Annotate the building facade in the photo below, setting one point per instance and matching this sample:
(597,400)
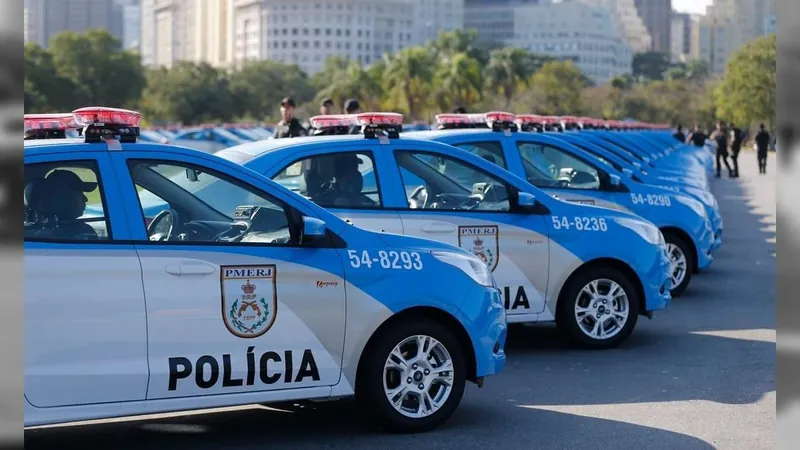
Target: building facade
(729,24)
(657,17)
(432,17)
(494,19)
(184,30)
(44,19)
(629,23)
(681,35)
(572,30)
(306,32)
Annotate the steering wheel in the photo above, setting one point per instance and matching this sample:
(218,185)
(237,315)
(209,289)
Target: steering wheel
(174,224)
(414,197)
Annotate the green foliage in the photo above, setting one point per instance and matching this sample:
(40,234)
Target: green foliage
(747,93)
(100,71)
(452,70)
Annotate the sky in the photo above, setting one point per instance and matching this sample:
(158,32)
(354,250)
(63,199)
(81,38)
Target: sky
(691,6)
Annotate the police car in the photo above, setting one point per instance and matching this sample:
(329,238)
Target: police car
(207,138)
(616,156)
(258,297)
(592,270)
(637,174)
(563,170)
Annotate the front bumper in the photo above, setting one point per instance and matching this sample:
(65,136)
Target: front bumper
(488,330)
(657,283)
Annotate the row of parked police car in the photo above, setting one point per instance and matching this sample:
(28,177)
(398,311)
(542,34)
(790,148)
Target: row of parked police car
(382,263)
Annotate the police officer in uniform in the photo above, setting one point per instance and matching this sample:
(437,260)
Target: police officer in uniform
(678,134)
(697,137)
(289,126)
(737,137)
(720,137)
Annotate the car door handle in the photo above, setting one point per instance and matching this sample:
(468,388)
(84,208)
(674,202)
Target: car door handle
(439,227)
(194,268)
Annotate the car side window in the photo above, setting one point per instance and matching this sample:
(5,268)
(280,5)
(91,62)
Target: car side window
(186,203)
(564,169)
(334,180)
(490,151)
(434,181)
(64,202)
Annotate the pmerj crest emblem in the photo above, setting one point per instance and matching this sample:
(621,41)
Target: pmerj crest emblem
(249,299)
(482,241)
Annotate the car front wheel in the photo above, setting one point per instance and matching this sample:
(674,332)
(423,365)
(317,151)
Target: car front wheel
(598,309)
(681,260)
(413,377)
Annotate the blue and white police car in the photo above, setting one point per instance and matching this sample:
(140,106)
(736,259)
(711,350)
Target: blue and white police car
(259,296)
(563,170)
(590,269)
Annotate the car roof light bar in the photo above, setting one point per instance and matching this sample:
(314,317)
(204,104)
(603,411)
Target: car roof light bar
(103,123)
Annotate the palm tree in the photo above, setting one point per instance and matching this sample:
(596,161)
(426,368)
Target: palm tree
(409,74)
(509,68)
(459,81)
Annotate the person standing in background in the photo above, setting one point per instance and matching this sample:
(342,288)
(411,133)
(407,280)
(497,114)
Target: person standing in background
(678,134)
(763,140)
(720,138)
(351,106)
(326,107)
(697,137)
(289,126)
(736,139)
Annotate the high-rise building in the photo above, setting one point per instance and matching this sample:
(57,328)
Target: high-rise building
(432,17)
(306,32)
(185,30)
(657,17)
(573,30)
(48,18)
(729,24)
(681,35)
(131,22)
(494,19)
(629,22)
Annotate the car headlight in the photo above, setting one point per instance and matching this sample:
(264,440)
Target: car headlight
(695,205)
(646,230)
(470,265)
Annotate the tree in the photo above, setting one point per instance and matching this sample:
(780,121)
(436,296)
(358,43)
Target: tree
(342,79)
(259,86)
(650,65)
(102,73)
(509,70)
(560,84)
(458,82)
(190,93)
(45,89)
(747,93)
(408,78)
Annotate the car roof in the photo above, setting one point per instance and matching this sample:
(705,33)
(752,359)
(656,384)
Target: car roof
(433,134)
(73,145)
(260,147)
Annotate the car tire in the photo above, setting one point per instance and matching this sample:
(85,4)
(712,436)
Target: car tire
(575,301)
(374,381)
(676,245)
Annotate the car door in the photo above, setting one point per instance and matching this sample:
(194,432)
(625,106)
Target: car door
(444,208)
(85,322)
(346,183)
(235,303)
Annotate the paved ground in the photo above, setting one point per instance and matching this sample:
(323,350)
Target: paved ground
(700,375)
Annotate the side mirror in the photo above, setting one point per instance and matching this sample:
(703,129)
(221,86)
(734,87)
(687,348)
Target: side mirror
(614,179)
(526,202)
(314,230)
